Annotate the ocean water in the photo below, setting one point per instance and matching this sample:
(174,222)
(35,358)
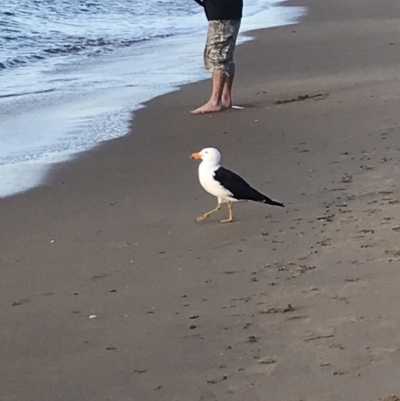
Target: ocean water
(72,71)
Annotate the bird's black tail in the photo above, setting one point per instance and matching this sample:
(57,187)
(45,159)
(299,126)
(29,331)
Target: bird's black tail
(269,201)
(255,196)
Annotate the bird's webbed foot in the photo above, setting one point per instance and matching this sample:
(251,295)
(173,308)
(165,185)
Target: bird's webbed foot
(206,215)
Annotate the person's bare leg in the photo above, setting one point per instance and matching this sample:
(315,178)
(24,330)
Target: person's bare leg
(226,100)
(214,105)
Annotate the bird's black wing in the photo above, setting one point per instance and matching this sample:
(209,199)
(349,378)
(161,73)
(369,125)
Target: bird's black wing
(199,2)
(240,189)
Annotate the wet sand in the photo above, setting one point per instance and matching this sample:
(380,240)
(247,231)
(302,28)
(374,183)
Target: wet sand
(111,291)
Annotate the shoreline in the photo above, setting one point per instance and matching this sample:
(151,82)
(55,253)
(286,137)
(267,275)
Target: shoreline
(112,291)
(74,119)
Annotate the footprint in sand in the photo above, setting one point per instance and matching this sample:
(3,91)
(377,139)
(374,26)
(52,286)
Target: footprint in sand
(21,302)
(265,366)
(380,355)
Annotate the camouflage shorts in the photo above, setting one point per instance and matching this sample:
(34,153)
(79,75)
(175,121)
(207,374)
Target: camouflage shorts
(220,46)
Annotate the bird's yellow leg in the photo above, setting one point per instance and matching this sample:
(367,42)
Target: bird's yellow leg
(205,215)
(230,219)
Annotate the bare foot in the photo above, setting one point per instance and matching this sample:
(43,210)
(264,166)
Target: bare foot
(226,104)
(208,108)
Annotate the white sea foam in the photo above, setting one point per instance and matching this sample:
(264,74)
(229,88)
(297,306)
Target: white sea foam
(93,98)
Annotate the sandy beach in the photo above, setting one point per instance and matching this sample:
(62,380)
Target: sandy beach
(111,290)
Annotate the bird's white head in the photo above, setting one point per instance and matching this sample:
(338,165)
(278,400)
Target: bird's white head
(208,155)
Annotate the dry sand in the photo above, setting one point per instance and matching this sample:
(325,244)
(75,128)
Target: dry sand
(186,311)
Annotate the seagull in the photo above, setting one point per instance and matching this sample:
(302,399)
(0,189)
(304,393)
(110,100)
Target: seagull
(226,185)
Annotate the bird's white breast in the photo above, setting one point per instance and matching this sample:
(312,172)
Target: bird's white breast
(210,184)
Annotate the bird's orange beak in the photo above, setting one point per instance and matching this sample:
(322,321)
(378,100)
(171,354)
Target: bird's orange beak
(195,156)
